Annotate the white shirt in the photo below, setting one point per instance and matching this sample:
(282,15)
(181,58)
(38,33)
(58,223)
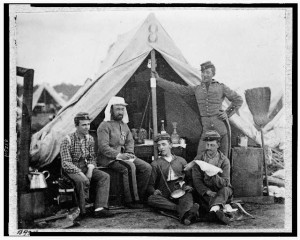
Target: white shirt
(171,174)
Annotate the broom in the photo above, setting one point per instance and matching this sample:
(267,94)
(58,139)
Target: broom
(258,100)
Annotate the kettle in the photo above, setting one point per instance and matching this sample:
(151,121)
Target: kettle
(38,179)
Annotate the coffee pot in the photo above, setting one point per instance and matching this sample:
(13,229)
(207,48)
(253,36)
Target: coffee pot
(38,179)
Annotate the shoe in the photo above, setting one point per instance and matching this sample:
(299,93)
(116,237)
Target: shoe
(134,205)
(187,221)
(80,217)
(195,210)
(103,214)
(212,216)
(218,216)
(222,218)
(192,215)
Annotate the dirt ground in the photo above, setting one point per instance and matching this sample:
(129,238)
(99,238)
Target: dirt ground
(267,216)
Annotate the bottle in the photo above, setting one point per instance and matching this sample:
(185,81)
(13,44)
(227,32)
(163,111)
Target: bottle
(175,137)
(162,128)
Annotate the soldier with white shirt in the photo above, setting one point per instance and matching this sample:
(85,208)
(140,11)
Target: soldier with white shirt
(167,176)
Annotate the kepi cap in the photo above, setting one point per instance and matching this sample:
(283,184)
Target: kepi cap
(82,116)
(211,135)
(164,136)
(206,65)
(117,101)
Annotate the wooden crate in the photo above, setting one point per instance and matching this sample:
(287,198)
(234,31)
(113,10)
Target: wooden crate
(247,174)
(32,205)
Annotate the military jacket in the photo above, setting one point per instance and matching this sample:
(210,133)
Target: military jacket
(209,101)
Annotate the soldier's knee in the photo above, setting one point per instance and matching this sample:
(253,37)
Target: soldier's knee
(148,168)
(124,171)
(225,190)
(106,176)
(82,183)
(151,199)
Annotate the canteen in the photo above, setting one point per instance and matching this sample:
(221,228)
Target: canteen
(38,179)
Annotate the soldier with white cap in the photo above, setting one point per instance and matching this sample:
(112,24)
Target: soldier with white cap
(116,151)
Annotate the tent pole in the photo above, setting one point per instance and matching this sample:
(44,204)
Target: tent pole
(25,136)
(23,155)
(154,106)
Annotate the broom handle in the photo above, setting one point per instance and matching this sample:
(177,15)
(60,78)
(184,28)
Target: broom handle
(264,158)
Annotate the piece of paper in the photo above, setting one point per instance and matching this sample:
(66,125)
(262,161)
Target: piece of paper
(129,160)
(208,168)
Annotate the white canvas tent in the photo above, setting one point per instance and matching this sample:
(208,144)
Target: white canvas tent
(46,87)
(123,59)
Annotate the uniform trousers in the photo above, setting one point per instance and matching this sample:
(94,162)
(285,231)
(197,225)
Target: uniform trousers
(223,194)
(177,206)
(135,176)
(99,186)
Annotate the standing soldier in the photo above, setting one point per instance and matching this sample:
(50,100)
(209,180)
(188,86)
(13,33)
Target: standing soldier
(209,95)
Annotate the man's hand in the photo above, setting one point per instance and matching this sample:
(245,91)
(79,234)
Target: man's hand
(157,192)
(90,171)
(189,166)
(223,115)
(123,156)
(188,188)
(130,155)
(211,193)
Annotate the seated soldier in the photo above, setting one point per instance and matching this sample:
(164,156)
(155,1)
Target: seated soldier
(167,175)
(78,162)
(116,151)
(213,190)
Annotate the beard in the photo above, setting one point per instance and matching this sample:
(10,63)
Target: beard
(211,153)
(118,117)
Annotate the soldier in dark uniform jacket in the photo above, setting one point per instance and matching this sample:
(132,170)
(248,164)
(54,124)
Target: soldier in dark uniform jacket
(167,174)
(213,189)
(209,95)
